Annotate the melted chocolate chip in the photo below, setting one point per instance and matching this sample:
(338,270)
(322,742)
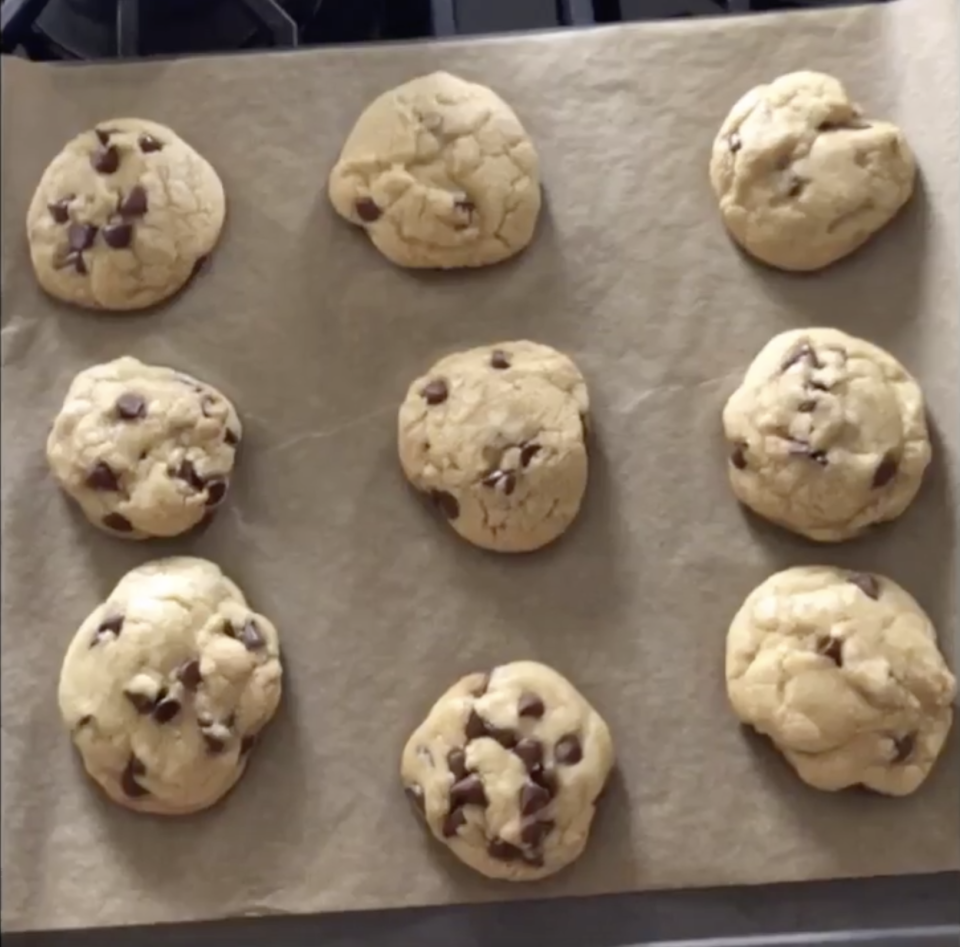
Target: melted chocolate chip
(59,210)
(81,236)
(105,160)
(886,471)
(546,778)
(738,457)
(530,705)
(189,675)
(216,491)
(457,761)
(131,407)
(831,648)
(734,143)
(867,584)
(533,833)
(134,204)
(468,791)
(367,210)
(77,261)
(214,743)
(568,750)
(454,821)
(166,710)
(247,744)
(530,752)
(435,391)
(102,477)
(527,453)
(141,702)
(118,523)
(499,359)
(446,503)
(188,473)
(903,747)
(103,135)
(149,144)
(249,635)
(118,236)
(533,798)
(415,794)
(231,437)
(503,851)
(128,778)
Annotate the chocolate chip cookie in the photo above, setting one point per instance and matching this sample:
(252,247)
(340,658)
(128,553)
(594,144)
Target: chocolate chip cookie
(827,435)
(802,177)
(440,173)
(167,685)
(496,436)
(507,768)
(842,671)
(123,216)
(144,450)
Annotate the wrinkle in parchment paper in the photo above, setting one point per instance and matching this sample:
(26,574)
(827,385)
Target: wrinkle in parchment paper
(315,338)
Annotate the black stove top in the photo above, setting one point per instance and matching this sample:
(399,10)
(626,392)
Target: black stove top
(127,29)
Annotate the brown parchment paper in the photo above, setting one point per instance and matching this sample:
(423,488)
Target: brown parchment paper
(380,605)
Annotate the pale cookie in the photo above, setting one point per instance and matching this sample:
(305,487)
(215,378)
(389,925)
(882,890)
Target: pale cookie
(496,436)
(441,174)
(144,450)
(842,671)
(827,435)
(507,768)
(167,684)
(123,216)
(802,177)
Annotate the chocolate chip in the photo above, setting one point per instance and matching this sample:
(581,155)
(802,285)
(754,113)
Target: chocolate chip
(367,210)
(738,457)
(800,353)
(568,750)
(503,851)
(886,471)
(118,523)
(166,710)
(148,144)
(457,761)
(213,742)
(102,477)
(59,210)
(546,778)
(81,236)
(130,406)
(248,743)
(446,503)
(415,794)
(831,648)
(530,705)
(118,236)
(527,453)
(903,747)
(435,391)
(216,491)
(530,752)
(231,437)
(533,798)
(105,160)
(103,134)
(499,359)
(468,791)
(141,702)
(134,204)
(189,675)
(77,261)
(734,143)
(534,832)
(454,821)
(188,473)
(476,726)
(128,778)
(805,407)
(867,584)
(250,636)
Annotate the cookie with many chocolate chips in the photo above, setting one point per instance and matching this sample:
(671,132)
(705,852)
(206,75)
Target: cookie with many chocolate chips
(802,177)
(507,768)
(124,216)
(144,450)
(496,436)
(826,435)
(841,670)
(440,173)
(166,685)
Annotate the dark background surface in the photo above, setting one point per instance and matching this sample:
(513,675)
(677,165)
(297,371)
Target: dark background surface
(921,910)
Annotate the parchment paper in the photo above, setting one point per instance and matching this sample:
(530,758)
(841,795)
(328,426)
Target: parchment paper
(380,605)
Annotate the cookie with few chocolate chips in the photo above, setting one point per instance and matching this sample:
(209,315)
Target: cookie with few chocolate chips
(145,451)
(496,437)
(167,684)
(841,670)
(826,435)
(507,768)
(124,216)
